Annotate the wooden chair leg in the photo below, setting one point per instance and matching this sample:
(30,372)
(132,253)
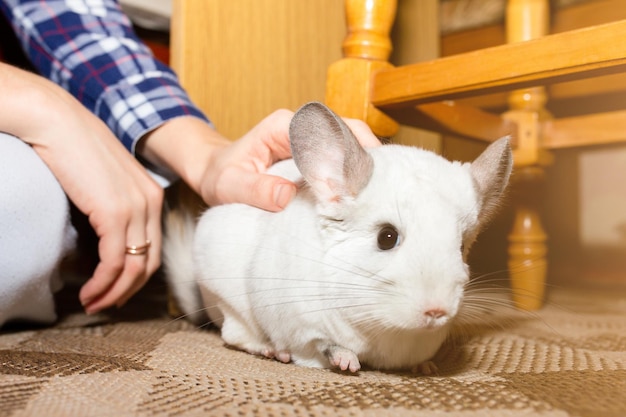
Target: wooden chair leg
(527,241)
(366,48)
(526,20)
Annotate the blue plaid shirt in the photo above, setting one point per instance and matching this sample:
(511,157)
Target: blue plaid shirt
(89,48)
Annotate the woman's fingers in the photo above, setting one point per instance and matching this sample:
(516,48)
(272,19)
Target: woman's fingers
(150,252)
(129,248)
(111,251)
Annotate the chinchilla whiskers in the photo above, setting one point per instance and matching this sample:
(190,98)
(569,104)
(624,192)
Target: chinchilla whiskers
(477,313)
(487,296)
(375,319)
(191,314)
(297,290)
(303,291)
(361,305)
(342,306)
(521,267)
(308,301)
(503,278)
(478,309)
(487,307)
(354,267)
(341,266)
(375,322)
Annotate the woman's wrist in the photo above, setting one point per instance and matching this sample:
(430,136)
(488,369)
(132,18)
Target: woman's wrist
(185,145)
(27,93)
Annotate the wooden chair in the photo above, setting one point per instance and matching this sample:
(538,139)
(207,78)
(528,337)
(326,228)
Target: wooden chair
(363,84)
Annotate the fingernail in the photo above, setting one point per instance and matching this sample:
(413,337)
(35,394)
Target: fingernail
(283,194)
(90,310)
(86,301)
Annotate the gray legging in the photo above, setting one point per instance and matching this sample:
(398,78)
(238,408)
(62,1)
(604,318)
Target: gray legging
(35,233)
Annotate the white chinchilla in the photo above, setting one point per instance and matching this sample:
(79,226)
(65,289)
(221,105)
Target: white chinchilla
(365,266)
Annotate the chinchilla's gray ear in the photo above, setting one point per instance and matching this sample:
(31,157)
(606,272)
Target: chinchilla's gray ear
(328,154)
(491,172)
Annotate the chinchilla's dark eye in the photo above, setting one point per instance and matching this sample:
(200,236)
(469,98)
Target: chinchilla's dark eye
(388,238)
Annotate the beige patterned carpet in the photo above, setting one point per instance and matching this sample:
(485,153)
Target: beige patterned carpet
(568,359)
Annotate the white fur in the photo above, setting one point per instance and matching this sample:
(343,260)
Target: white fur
(310,283)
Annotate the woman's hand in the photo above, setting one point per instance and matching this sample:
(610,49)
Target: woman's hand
(236,171)
(221,171)
(100,177)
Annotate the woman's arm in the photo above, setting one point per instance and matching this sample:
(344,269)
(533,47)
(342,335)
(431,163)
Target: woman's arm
(91,50)
(98,175)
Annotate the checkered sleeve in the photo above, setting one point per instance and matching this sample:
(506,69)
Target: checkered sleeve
(90,49)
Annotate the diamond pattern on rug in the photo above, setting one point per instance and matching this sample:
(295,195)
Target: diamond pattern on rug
(48,364)
(15,395)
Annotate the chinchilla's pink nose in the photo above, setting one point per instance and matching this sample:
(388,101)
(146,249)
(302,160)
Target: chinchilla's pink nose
(435,313)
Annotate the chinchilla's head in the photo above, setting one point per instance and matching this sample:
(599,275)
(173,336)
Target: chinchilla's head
(397,222)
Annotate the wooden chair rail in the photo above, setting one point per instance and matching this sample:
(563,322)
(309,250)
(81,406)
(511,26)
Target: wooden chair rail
(585,130)
(451,117)
(550,59)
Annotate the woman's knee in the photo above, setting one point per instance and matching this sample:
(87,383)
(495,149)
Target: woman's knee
(35,230)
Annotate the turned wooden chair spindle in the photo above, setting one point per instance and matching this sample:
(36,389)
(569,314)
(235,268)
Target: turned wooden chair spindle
(527,20)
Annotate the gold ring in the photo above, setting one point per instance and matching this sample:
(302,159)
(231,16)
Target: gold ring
(139,249)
